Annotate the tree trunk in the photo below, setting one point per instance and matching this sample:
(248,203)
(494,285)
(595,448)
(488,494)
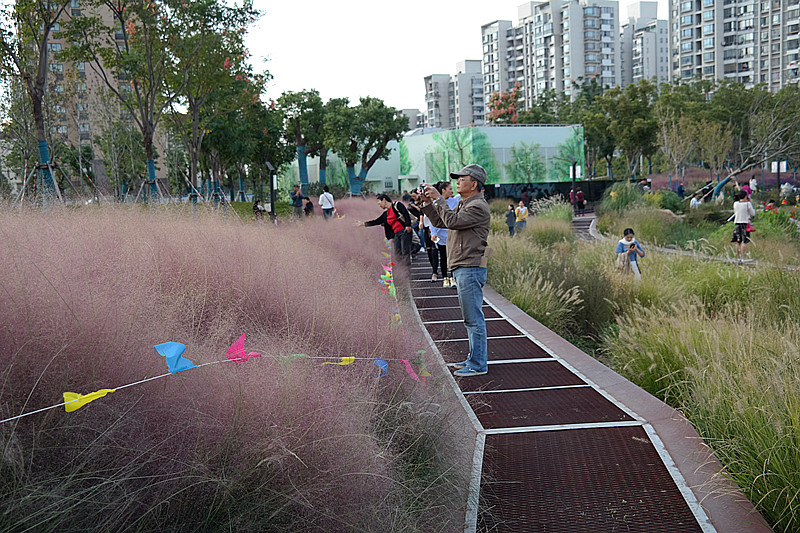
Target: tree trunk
(302,167)
(355,182)
(323,165)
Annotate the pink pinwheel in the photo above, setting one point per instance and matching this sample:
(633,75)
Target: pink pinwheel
(236,351)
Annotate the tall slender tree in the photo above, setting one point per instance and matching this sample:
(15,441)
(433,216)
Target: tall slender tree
(25,28)
(136,56)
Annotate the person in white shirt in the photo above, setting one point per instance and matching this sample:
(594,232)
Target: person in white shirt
(753,184)
(326,203)
(743,212)
(695,202)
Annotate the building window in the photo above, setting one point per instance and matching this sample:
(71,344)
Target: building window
(686,6)
(708,29)
(83,127)
(708,42)
(686,19)
(54,47)
(708,15)
(687,33)
(56,67)
(686,47)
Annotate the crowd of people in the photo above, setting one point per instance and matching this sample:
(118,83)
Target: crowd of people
(452,227)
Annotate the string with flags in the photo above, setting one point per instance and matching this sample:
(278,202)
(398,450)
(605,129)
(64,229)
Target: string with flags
(173,353)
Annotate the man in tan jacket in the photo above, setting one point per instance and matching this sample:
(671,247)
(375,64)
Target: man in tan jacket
(466,256)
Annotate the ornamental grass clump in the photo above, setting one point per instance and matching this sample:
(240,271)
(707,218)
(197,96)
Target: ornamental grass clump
(276,443)
(735,376)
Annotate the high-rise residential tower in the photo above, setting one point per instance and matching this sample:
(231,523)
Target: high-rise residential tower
(644,42)
(746,41)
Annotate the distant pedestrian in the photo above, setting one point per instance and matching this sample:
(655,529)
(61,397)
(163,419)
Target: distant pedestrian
(753,184)
(297,201)
(521,217)
(511,219)
(747,190)
(326,203)
(258,211)
(396,223)
(308,207)
(743,213)
(695,202)
(681,191)
(580,201)
(525,196)
(628,250)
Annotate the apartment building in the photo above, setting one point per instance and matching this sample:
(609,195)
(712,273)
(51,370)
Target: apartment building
(82,106)
(437,102)
(644,43)
(497,57)
(746,41)
(467,95)
(455,101)
(554,43)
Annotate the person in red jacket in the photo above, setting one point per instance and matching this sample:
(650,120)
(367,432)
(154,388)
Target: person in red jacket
(396,222)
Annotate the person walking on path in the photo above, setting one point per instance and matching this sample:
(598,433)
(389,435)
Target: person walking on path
(743,213)
(628,250)
(581,201)
(396,224)
(326,203)
(511,219)
(297,201)
(522,216)
(468,255)
(439,234)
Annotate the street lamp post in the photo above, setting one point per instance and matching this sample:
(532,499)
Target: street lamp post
(271,177)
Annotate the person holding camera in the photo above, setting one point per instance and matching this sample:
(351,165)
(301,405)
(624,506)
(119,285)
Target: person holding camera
(628,250)
(467,256)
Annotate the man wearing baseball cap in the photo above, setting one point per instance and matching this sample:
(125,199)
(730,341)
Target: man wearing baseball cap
(467,256)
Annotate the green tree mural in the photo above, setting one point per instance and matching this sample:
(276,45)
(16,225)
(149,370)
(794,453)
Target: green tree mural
(527,163)
(569,151)
(483,155)
(406,165)
(454,149)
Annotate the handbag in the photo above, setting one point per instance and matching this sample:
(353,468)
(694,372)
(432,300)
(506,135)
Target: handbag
(750,228)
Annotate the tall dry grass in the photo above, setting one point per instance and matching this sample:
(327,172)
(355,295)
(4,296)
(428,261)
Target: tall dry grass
(271,444)
(718,341)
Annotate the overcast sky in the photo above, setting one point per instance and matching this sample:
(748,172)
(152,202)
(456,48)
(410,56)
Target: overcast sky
(374,48)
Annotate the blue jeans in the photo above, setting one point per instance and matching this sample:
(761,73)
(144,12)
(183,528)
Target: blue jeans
(470,281)
(521,225)
(421,235)
(511,231)
(327,212)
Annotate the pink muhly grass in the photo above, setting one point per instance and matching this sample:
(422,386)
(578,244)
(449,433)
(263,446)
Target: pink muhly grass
(85,295)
